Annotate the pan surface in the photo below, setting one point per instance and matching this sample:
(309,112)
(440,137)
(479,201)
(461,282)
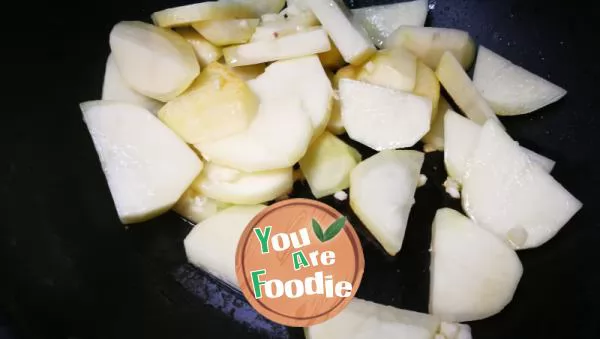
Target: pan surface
(70,270)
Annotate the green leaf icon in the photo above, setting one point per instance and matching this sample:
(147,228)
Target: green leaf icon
(318,231)
(334,228)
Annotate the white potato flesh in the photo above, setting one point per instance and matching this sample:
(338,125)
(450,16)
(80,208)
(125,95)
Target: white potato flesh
(226,32)
(209,10)
(196,207)
(382,190)
(249,72)
(327,165)
(116,89)
(381,21)
(282,128)
(260,7)
(511,89)
(303,80)
(545,163)
(351,40)
(336,124)
(507,193)
(281,25)
(287,47)
(460,87)
(217,105)
(154,61)
(363,319)
(212,244)
(394,68)
(430,43)
(434,139)
(461,137)
(474,275)
(205,51)
(147,166)
(383,118)
(427,85)
(232,186)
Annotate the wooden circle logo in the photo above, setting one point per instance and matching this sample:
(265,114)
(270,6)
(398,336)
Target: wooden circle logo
(299,262)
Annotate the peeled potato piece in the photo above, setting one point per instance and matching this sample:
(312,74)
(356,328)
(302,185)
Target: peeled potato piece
(116,89)
(209,10)
(382,20)
(383,118)
(226,32)
(394,68)
(211,245)
(293,100)
(473,274)
(460,87)
(217,105)
(351,40)
(507,193)
(147,166)
(511,89)
(336,124)
(366,319)
(430,43)
(434,139)
(205,51)
(249,72)
(303,80)
(327,165)
(154,61)
(427,85)
(236,187)
(290,46)
(280,25)
(461,138)
(382,192)
(196,207)
(260,7)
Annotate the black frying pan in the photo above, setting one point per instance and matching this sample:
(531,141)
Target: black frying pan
(69,269)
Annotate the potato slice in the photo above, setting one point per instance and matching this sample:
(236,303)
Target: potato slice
(260,7)
(510,195)
(290,46)
(511,89)
(327,165)
(116,89)
(460,87)
(351,40)
(282,129)
(383,118)
(382,20)
(154,61)
(209,10)
(232,186)
(434,139)
(205,51)
(276,26)
(196,207)
(473,274)
(394,68)
(218,104)
(430,43)
(303,80)
(249,72)
(226,32)
(336,124)
(211,245)
(365,319)
(460,140)
(147,166)
(427,85)
(382,192)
